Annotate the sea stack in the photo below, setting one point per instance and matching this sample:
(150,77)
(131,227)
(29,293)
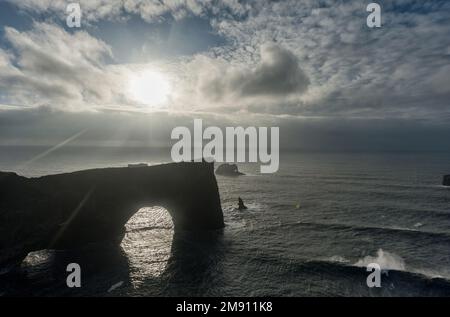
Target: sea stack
(241,205)
(446,180)
(228,170)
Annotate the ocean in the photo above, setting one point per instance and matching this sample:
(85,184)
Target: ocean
(310,229)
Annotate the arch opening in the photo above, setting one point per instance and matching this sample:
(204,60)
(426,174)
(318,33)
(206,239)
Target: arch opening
(148,242)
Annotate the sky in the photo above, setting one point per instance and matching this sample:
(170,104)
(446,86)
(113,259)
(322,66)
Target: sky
(135,69)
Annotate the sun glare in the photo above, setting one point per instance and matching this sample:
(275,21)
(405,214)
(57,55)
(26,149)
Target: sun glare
(150,88)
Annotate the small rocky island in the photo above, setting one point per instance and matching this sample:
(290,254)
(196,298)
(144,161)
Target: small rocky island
(228,170)
(241,205)
(69,211)
(446,180)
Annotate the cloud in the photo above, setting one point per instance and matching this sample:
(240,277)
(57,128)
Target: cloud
(276,76)
(278,73)
(323,60)
(393,71)
(47,126)
(149,10)
(325,79)
(47,65)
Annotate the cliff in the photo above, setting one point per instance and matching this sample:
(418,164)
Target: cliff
(71,210)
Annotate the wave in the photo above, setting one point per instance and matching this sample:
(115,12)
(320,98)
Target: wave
(384,185)
(401,279)
(404,208)
(252,206)
(146,228)
(437,236)
(390,262)
(386,261)
(336,177)
(369,181)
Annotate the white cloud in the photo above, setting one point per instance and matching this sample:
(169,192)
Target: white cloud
(353,70)
(54,67)
(149,10)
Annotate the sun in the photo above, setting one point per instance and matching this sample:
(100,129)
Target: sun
(150,88)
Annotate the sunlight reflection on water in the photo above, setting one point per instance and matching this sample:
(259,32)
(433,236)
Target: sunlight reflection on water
(147,243)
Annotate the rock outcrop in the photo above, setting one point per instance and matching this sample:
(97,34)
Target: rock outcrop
(446,180)
(72,210)
(241,205)
(228,170)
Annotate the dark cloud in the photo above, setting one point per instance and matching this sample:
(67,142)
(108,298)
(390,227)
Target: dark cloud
(278,73)
(48,126)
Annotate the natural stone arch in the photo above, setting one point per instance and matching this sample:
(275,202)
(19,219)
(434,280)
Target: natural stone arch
(71,210)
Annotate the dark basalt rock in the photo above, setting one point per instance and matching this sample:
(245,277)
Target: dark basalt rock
(446,180)
(228,170)
(69,211)
(241,205)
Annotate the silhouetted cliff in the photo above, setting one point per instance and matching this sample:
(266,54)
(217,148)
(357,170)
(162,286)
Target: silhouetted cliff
(70,210)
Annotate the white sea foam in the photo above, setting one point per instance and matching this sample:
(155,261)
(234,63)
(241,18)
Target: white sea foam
(338,259)
(390,261)
(386,260)
(115,286)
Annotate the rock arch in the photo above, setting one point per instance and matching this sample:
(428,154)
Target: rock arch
(71,210)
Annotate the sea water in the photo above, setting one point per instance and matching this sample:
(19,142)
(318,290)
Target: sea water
(309,230)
